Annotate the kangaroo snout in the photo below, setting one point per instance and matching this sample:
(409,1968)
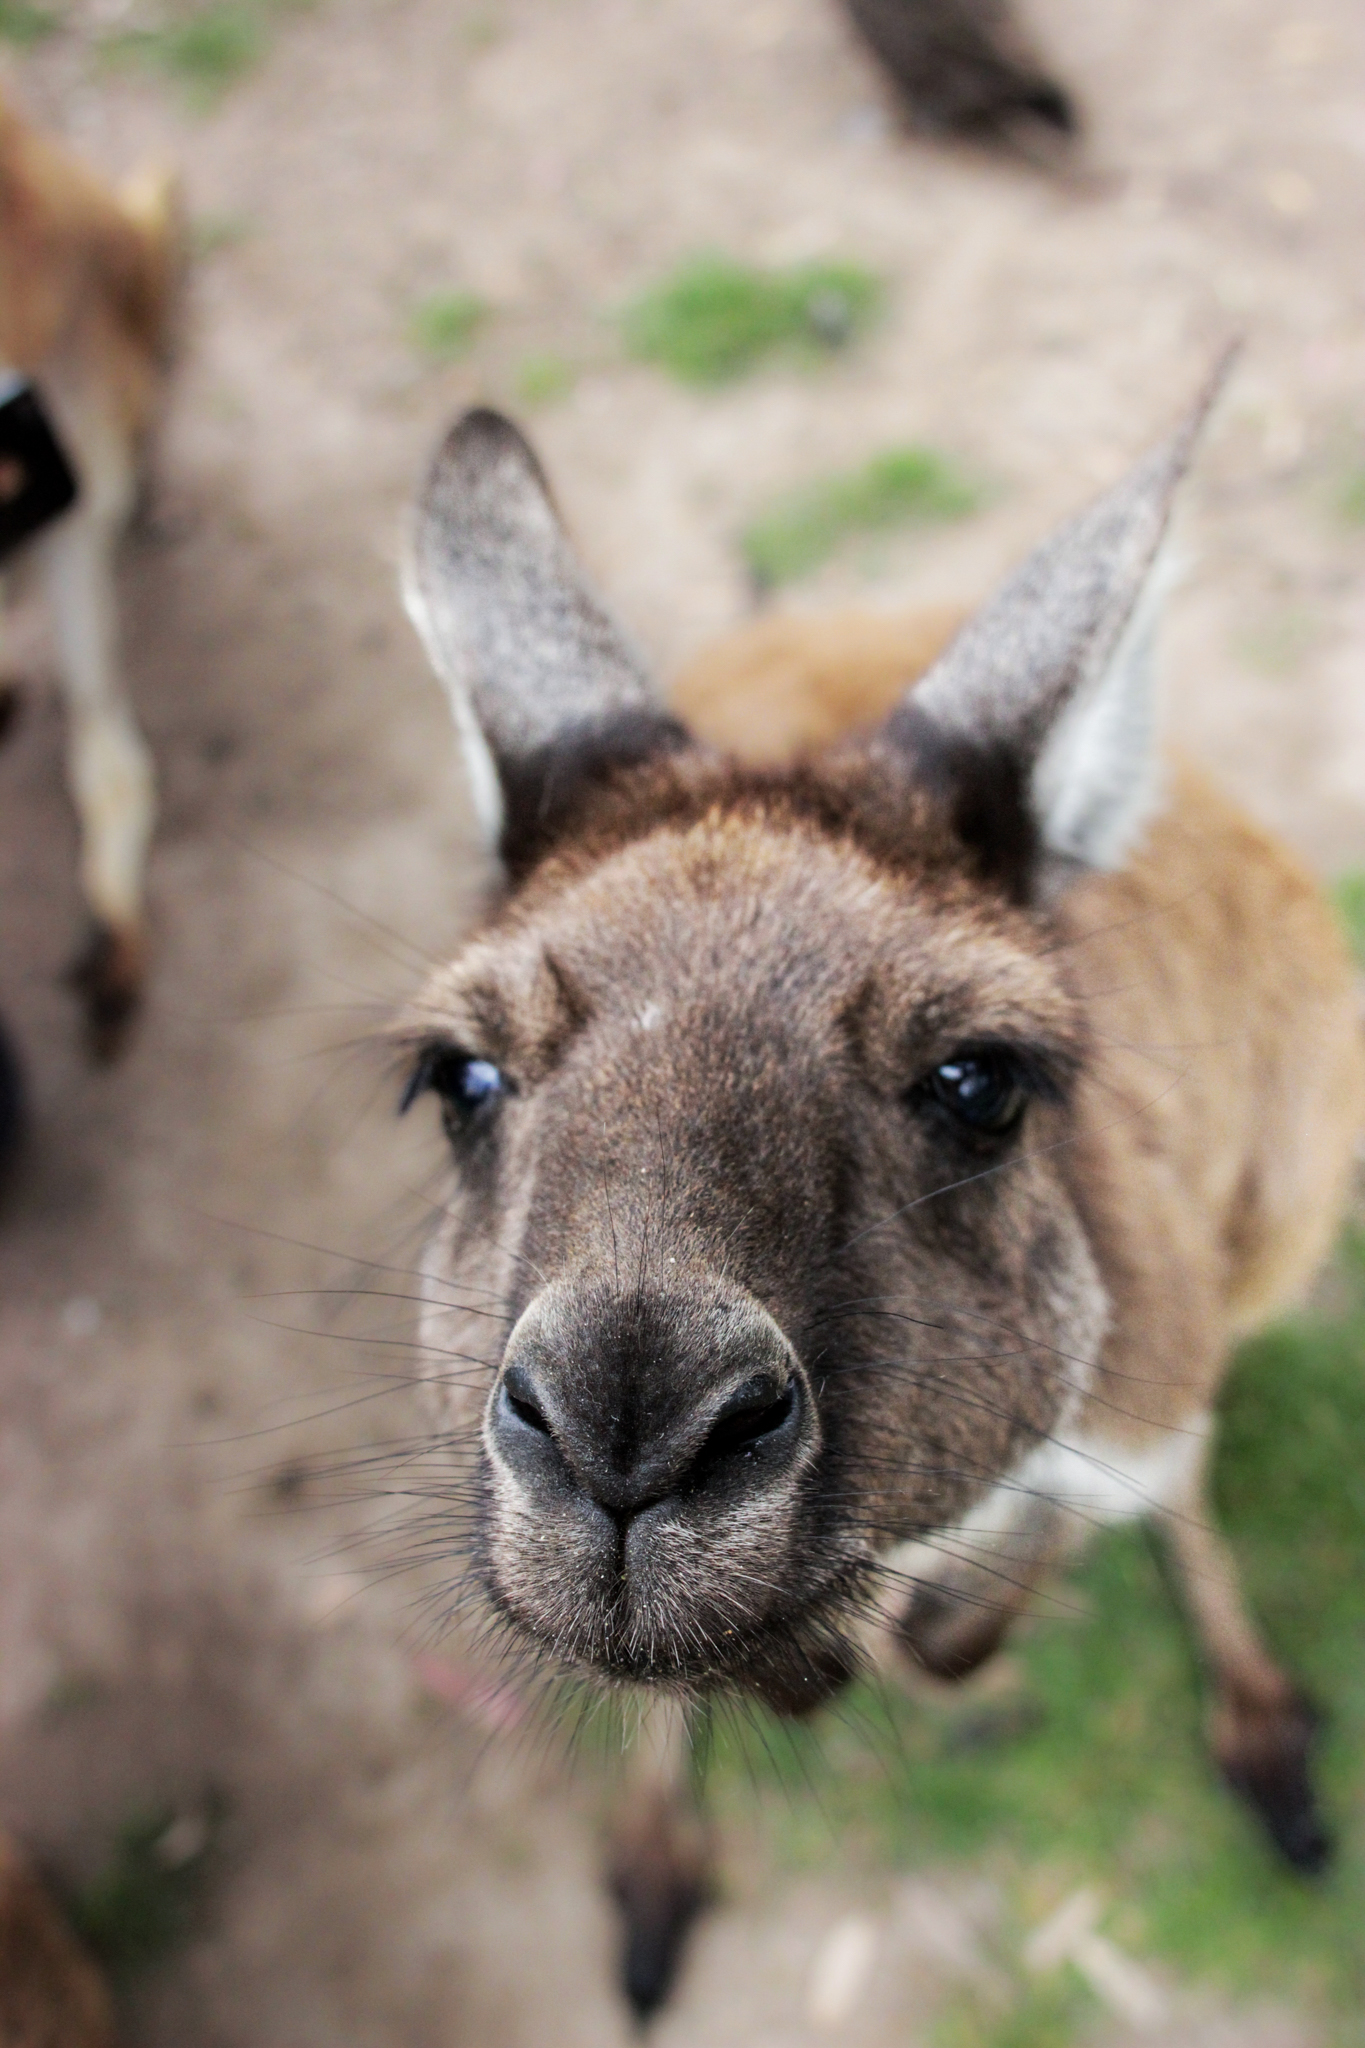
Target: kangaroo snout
(630,1401)
(643,1426)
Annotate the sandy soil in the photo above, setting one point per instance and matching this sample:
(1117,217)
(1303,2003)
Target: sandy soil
(177,1604)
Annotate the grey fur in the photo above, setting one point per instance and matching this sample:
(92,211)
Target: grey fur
(1057,668)
(511,624)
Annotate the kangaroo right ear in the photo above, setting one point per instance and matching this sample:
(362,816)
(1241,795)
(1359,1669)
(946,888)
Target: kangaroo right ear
(1038,723)
(547,693)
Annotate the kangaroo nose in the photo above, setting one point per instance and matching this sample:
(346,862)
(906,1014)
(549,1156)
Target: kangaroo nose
(671,1404)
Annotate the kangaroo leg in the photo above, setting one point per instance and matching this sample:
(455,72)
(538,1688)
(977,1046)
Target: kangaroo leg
(949,1607)
(1261,1726)
(660,1855)
(110,771)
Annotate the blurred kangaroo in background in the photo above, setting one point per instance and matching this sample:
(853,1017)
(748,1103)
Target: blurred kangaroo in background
(88,297)
(865,1162)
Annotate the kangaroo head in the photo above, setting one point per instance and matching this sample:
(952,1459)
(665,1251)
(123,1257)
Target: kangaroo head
(763,1254)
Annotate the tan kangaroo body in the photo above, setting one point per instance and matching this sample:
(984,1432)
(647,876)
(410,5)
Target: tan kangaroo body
(884,1094)
(88,290)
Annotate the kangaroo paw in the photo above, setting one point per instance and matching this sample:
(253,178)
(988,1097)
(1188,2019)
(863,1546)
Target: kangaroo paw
(661,1880)
(107,975)
(1266,1754)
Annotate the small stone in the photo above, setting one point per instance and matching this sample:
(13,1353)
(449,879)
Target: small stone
(843,1963)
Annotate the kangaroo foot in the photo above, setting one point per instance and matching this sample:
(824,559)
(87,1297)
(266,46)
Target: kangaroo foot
(660,1876)
(1265,1751)
(107,975)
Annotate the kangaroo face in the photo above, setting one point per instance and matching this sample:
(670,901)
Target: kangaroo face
(755,1147)
(761,1256)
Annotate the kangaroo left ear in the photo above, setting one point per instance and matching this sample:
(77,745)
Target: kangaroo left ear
(545,690)
(1038,724)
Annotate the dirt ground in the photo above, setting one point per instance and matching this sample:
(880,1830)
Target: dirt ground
(178,1607)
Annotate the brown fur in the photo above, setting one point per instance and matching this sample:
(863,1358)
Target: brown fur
(51,1994)
(786,685)
(86,274)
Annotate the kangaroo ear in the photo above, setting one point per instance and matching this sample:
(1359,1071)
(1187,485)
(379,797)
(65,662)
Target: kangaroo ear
(546,692)
(1039,722)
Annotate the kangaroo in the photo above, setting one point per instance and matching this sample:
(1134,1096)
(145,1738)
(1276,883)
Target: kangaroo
(88,299)
(864,1160)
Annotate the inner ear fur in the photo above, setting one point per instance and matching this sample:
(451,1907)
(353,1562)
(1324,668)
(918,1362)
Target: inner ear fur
(547,693)
(1037,727)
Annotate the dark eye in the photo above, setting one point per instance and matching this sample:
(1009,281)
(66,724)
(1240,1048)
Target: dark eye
(465,1084)
(982,1087)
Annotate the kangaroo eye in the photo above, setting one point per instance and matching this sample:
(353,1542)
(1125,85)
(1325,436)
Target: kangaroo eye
(465,1084)
(980,1087)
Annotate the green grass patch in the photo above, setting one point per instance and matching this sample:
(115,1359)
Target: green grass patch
(1351,498)
(73,1693)
(204,53)
(1111,1782)
(543,379)
(24,25)
(1348,894)
(716,319)
(211,234)
(1280,642)
(903,487)
(481,31)
(145,1902)
(444,326)
(1042,2015)
(203,49)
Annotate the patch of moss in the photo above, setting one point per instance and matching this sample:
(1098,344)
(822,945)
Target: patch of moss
(444,326)
(1041,2015)
(716,319)
(543,379)
(904,486)
(145,1901)
(24,25)
(1351,498)
(204,49)
(1114,1784)
(1279,643)
(482,30)
(72,1693)
(212,233)
(1348,893)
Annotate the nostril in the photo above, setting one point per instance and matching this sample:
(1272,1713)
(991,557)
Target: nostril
(748,1416)
(519,1399)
